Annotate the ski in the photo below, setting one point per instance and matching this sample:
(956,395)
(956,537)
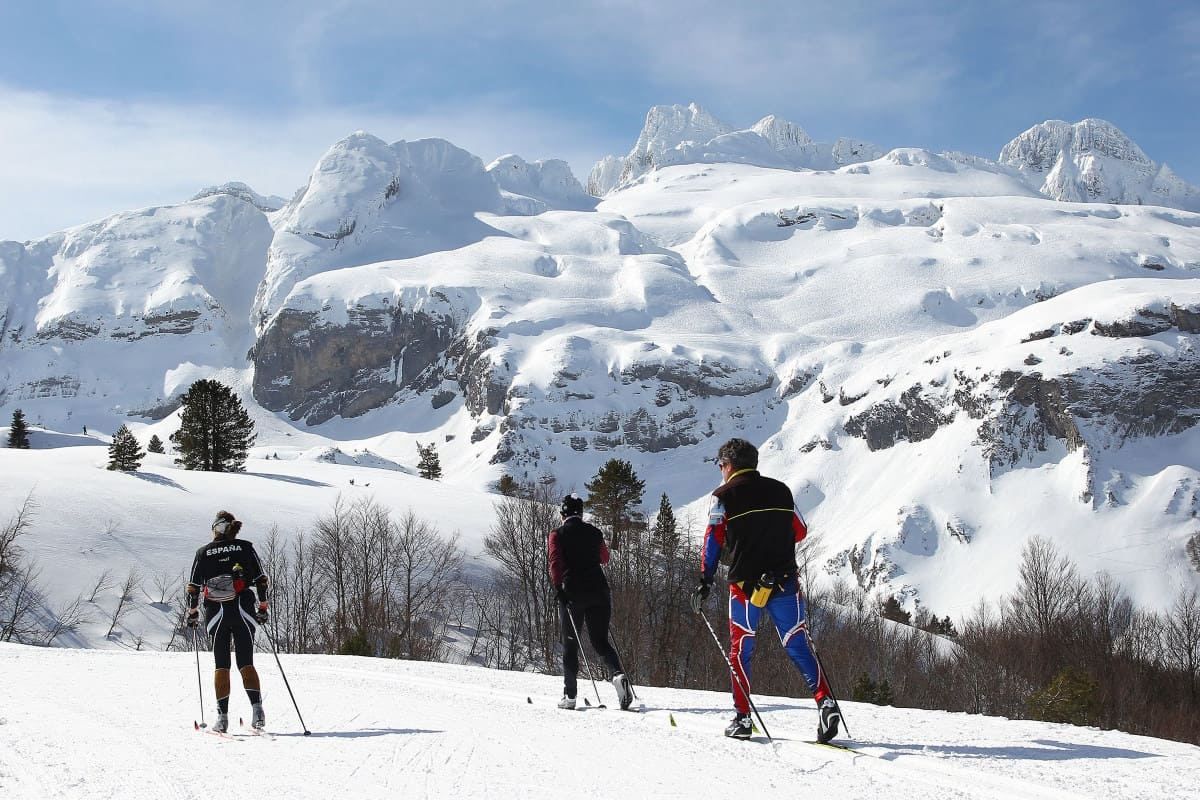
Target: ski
(832,745)
(203,728)
(252,731)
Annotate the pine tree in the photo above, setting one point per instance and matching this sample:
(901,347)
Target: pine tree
(18,433)
(429,466)
(665,535)
(155,445)
(125,453)
(215,432)
(615,494)
(507,486)
(891,609)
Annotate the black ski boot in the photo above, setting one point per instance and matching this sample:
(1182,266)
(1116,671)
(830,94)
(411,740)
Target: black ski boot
(827,724)
(624,690)
(742,727)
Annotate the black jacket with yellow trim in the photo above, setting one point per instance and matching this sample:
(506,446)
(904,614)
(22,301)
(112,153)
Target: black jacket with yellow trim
(761,527)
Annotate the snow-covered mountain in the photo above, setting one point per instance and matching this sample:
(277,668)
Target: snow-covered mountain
(940,359)
(1093,161)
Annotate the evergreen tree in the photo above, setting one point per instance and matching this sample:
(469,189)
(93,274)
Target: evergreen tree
(891,609)
(215,432)
(615,494)
(429,466)
(1072,696)
(155,445)
(125,453)
(18,433)
(665,536)
(507,486)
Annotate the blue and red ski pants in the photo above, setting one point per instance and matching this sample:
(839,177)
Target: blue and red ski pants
(787,612)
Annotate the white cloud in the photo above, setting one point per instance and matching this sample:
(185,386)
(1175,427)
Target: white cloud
(70,161)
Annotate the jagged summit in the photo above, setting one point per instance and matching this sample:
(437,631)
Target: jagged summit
(1094,161)
(243,192)
(675,134)
(532,188)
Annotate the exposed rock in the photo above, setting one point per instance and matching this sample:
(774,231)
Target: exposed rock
(913,419)
(314,371)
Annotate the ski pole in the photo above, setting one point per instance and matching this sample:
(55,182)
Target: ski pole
(199,682)
(275,650)
(579,648)
(813,647)
(736,677)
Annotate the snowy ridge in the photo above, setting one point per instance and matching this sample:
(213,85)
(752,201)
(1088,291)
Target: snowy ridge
(540,186)
(690,135)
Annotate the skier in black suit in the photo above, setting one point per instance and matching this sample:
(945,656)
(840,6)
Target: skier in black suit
(223,572)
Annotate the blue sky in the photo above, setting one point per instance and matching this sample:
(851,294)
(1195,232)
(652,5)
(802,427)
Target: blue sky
(117,104)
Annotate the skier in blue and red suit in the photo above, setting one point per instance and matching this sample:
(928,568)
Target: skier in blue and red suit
(753,528)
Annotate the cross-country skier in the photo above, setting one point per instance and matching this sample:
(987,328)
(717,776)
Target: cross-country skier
(223,571)
(577,553)
(753,528)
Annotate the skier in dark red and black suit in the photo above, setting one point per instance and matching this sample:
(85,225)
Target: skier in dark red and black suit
(224,572)
(577,554)
(753,528)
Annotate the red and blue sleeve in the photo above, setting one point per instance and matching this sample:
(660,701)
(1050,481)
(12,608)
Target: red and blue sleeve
(714,540)
(798,526)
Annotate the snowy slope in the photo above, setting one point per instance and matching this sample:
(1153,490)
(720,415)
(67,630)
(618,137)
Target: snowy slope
(119,725)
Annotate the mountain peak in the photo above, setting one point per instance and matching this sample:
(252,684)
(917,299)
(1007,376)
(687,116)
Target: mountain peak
(1094,161)
(675,134)
(243,192)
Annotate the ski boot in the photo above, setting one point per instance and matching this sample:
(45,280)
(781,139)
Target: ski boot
(624,690)
(827,723)
(741,727)
(567,703)
(222,723)
(258,717)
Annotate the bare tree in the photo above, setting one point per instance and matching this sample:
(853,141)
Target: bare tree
(67,619)
(165,583)
(519,542)
(104,582)
(22,600)
(124,598)
(1181,638)
(10,549)
(425,568)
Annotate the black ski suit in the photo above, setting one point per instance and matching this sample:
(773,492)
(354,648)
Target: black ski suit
(224,572)
(577,553)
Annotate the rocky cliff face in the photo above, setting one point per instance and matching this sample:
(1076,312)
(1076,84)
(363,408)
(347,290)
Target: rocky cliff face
(1140,381)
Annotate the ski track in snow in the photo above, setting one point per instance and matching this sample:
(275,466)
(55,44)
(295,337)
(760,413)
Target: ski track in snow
(111,724)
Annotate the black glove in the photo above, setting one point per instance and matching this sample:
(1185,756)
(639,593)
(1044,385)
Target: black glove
(193,617)
(561,594)
(700,594)
(260,615)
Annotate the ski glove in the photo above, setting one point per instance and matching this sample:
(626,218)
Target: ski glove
(561,594)
(700,594)
(193,617)
(260,615)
